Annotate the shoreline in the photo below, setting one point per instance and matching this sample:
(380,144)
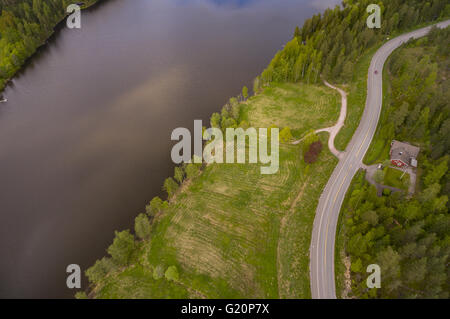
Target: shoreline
(57,27)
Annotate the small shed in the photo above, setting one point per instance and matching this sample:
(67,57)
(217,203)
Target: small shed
(403,154)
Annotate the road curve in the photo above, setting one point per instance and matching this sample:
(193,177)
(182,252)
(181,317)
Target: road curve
(330,202)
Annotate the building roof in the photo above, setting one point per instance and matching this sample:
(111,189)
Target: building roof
(404,152)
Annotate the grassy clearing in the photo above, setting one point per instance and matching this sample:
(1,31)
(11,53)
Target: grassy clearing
(395,178)
(301,107)
(234,233)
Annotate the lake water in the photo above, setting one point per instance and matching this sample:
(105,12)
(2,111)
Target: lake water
(85,134)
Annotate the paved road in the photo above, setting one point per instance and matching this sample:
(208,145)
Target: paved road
(324,229)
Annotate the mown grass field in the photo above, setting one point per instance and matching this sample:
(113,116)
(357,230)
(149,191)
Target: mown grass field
(232,232)
(280,103)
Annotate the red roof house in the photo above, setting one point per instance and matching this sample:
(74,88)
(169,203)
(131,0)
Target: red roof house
(403,154)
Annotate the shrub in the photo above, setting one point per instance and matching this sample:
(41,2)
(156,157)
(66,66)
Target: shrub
(309,138)
(142,226)
(170,186)
(155,206)
(172,273)
(286,135)
(313,152)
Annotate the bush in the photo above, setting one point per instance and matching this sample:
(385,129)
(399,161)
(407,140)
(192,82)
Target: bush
(142,226)
(215,120)
(172,273)
(155,206)
(309,138)
(286,135)
(170,186)
(312,154)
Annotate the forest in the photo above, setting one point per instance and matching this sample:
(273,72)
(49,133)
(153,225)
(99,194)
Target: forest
(25,25)
(408,237)
(331,43)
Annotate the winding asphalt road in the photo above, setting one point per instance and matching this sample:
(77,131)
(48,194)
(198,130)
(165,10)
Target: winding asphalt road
(327,213)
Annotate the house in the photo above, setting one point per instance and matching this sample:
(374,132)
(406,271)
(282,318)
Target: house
(403,154)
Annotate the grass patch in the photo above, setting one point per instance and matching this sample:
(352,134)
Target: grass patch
(299,106)
(396,178)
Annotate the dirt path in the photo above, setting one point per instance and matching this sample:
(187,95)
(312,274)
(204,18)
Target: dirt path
(334,130)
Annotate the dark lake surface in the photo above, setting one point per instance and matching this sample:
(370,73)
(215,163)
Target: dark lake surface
(85,134)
